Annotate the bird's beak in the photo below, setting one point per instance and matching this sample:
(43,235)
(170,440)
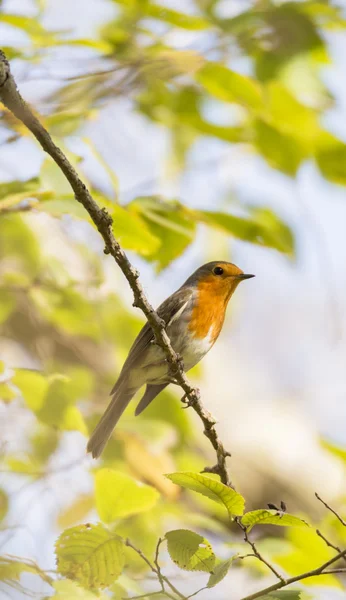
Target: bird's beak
(244,276)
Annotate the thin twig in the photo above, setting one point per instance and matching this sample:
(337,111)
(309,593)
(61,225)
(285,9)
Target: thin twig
(331,509)
(322,570)
(148,595)
(162,579)
(198,592)
(328,542)
(7,210)
(258,554)
(156,561)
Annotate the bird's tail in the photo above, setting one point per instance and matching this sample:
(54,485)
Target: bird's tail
(104,428)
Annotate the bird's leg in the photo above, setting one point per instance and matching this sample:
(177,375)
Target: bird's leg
(190,401)
(178,367)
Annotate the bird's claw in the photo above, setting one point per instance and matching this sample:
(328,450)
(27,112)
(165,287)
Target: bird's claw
(190,401)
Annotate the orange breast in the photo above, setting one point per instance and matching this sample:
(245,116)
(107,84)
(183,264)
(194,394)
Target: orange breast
(208,313)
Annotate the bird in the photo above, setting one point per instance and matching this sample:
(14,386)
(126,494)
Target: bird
(193,317)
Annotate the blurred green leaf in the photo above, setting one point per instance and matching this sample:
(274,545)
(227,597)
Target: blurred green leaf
(24,466)
(211,488)
(133,232)
(271,517)
(306,551)
(190,551)
(230,86)
(263,227)
(67,309)
(339,451)
(18,188)
(118,495)
(168,222)
(52,178)
(66,589)
(30,26)
(17,240)
(44,442)
(57,208)
(290,116)
(12,568)
(173,17)
(169,411)
(76,511)
(331,159)
(282,151)
(57,409)
(33,386)
(91,555)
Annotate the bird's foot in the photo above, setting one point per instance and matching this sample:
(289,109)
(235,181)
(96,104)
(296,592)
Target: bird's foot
(191,400)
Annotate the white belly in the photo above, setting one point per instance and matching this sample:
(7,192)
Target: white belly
(154,367)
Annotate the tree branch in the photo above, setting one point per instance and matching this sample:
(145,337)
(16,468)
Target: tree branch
(322,570)
(331,509)
(11,98)
(258,555)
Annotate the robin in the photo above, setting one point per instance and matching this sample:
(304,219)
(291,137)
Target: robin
(194,316)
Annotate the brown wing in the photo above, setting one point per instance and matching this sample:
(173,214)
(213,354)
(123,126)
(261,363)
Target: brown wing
(166,311)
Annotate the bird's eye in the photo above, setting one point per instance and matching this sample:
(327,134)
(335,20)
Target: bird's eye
(218,271)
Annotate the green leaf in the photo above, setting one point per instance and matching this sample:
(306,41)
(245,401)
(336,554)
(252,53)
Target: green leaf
(11,569)
(331,159)
(57,409)
(271,517)
(67,309)
(53,179)
(290,116)
(17,240)
(219,572)
(33,386)
(230,86)
(170,223)
(91,555)
(339,451)
(44,442)
(31,26)
(190,551)
(262,227)
(19,188)
(173,17)
(66,589)
(215,490)
(56,208)
(118,495)
(133,232)
(51,399)
(282,151)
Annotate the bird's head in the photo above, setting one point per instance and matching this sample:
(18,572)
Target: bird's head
(220,278)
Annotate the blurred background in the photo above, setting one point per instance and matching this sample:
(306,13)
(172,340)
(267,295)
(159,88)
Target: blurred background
(210,130)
